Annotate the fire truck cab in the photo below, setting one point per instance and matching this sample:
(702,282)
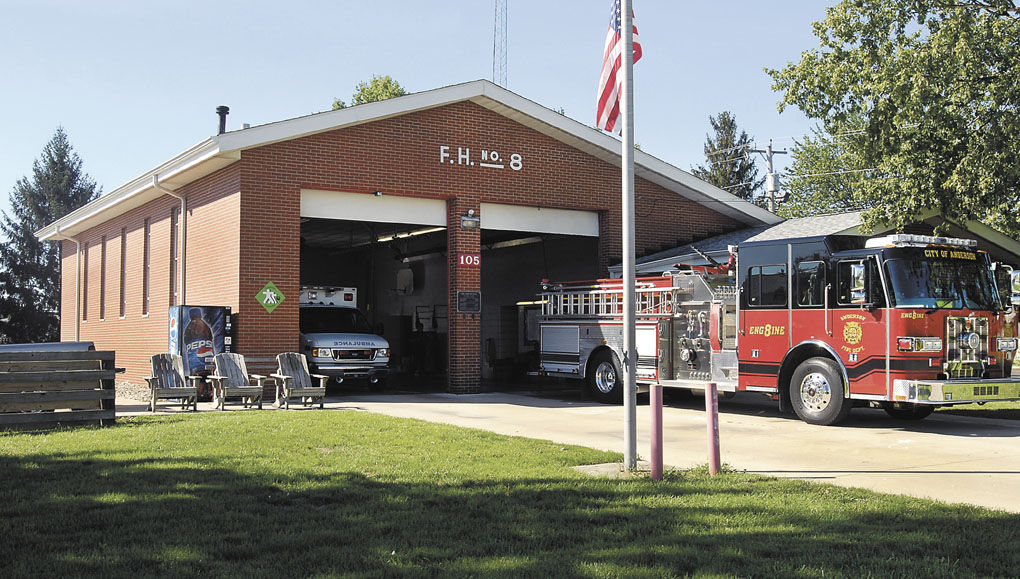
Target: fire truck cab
(904,322)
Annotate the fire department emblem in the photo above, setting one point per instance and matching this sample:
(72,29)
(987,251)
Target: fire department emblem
(852,333)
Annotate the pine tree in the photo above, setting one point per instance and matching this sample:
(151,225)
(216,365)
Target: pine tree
(30,268)
(729,162)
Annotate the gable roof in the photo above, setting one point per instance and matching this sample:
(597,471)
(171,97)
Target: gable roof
(812,226)
(219,151)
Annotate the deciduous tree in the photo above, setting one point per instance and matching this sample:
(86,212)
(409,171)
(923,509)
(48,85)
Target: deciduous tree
(379,88)
(824,175)
(934,83)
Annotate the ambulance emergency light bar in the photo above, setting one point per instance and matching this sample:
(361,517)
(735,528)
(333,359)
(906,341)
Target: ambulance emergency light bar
(911,240)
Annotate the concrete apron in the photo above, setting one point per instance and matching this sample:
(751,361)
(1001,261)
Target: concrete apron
(948,458)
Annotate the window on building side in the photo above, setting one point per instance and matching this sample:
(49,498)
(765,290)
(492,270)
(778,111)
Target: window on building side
(85,284)
(146,241)
(173,257)
(123,272)
(102,279)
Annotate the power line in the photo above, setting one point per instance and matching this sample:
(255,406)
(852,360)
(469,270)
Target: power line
(721,151)
(840,172)
(771,183)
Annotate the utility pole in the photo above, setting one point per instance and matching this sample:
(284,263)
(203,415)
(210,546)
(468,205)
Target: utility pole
(771,185)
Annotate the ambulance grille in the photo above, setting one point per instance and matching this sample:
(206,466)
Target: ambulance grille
(366,354)
(966,346)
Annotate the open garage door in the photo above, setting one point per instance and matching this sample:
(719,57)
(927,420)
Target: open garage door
(521,246)
(392,250)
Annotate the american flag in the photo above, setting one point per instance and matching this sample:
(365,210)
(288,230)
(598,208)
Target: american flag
(608,112)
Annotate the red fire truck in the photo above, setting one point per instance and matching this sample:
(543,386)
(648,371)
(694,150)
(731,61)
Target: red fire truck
(903,322)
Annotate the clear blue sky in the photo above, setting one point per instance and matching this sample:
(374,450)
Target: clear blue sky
(134,83)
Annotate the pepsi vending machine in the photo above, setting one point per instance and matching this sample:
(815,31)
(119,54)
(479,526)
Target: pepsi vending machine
(197,334)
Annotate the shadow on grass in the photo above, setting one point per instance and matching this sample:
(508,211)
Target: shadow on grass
(192,516)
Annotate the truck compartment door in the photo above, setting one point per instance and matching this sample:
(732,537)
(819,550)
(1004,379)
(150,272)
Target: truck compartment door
(560,350)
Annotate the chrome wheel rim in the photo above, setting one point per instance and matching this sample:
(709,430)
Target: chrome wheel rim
(815,392)
(605,377)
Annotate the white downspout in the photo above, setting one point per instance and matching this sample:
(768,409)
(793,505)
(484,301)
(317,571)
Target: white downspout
(77,283)
(183,262)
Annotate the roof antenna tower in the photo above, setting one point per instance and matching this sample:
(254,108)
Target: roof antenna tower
(499,44)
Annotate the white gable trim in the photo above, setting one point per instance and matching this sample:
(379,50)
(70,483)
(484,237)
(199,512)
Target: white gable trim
(219,151)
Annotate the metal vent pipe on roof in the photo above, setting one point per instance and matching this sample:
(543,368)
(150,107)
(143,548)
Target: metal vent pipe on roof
(223,111)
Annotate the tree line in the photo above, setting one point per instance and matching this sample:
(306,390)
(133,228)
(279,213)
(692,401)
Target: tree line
(917,109)
(916,105)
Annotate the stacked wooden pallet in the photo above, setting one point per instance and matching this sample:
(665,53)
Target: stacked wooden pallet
(44,388)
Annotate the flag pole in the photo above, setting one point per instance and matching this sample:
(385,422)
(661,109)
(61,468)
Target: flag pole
(627,171)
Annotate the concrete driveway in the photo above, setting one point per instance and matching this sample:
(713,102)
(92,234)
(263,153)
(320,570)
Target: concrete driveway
(948,458)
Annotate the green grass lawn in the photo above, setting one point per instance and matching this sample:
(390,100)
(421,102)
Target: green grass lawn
(1008,410)
(300,493)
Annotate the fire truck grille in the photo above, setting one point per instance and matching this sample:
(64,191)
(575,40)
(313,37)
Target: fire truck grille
(966,346)
(365,354)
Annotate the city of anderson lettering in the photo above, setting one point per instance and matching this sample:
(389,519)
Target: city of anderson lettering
(951,254)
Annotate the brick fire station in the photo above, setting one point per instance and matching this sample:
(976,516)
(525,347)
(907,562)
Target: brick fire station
(468,191)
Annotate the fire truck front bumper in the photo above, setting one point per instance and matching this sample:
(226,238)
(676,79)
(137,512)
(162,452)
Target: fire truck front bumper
(955,391)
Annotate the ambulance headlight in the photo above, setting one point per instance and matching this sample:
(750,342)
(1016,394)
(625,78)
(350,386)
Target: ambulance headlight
(322,353)
(382,353)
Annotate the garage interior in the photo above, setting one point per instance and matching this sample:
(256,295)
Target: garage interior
(400,271)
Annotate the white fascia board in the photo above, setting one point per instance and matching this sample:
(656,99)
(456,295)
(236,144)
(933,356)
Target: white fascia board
(92,213)
(981,230)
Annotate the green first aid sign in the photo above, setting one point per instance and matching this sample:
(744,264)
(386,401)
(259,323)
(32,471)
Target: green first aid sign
(270,296)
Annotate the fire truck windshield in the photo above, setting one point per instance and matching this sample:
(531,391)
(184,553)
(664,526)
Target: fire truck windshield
(919,282)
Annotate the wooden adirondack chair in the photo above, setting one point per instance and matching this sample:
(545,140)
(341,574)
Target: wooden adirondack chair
(293,379)
(168,381)
(232,380)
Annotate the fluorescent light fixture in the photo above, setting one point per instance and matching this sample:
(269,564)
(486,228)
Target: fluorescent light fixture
(407,234)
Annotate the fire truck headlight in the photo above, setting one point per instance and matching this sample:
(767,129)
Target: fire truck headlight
(926,344)
(1005,344)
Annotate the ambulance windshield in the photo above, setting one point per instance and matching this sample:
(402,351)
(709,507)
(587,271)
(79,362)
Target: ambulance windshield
(937,279)
(330,320)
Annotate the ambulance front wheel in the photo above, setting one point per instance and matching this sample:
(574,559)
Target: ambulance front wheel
(816,392)
(605,379)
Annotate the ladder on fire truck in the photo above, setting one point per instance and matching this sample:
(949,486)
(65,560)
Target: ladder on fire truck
(604,299)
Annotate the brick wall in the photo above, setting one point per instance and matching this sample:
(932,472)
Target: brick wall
(244,224)
(212,271)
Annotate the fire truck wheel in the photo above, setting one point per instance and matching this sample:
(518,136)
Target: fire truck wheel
(605,379)
(816,392)
(909,411)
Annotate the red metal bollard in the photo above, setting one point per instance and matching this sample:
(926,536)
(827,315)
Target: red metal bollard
(655,404)
(712,415)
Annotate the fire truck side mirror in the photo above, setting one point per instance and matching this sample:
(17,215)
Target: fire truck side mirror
(1014,287)
(858,293)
